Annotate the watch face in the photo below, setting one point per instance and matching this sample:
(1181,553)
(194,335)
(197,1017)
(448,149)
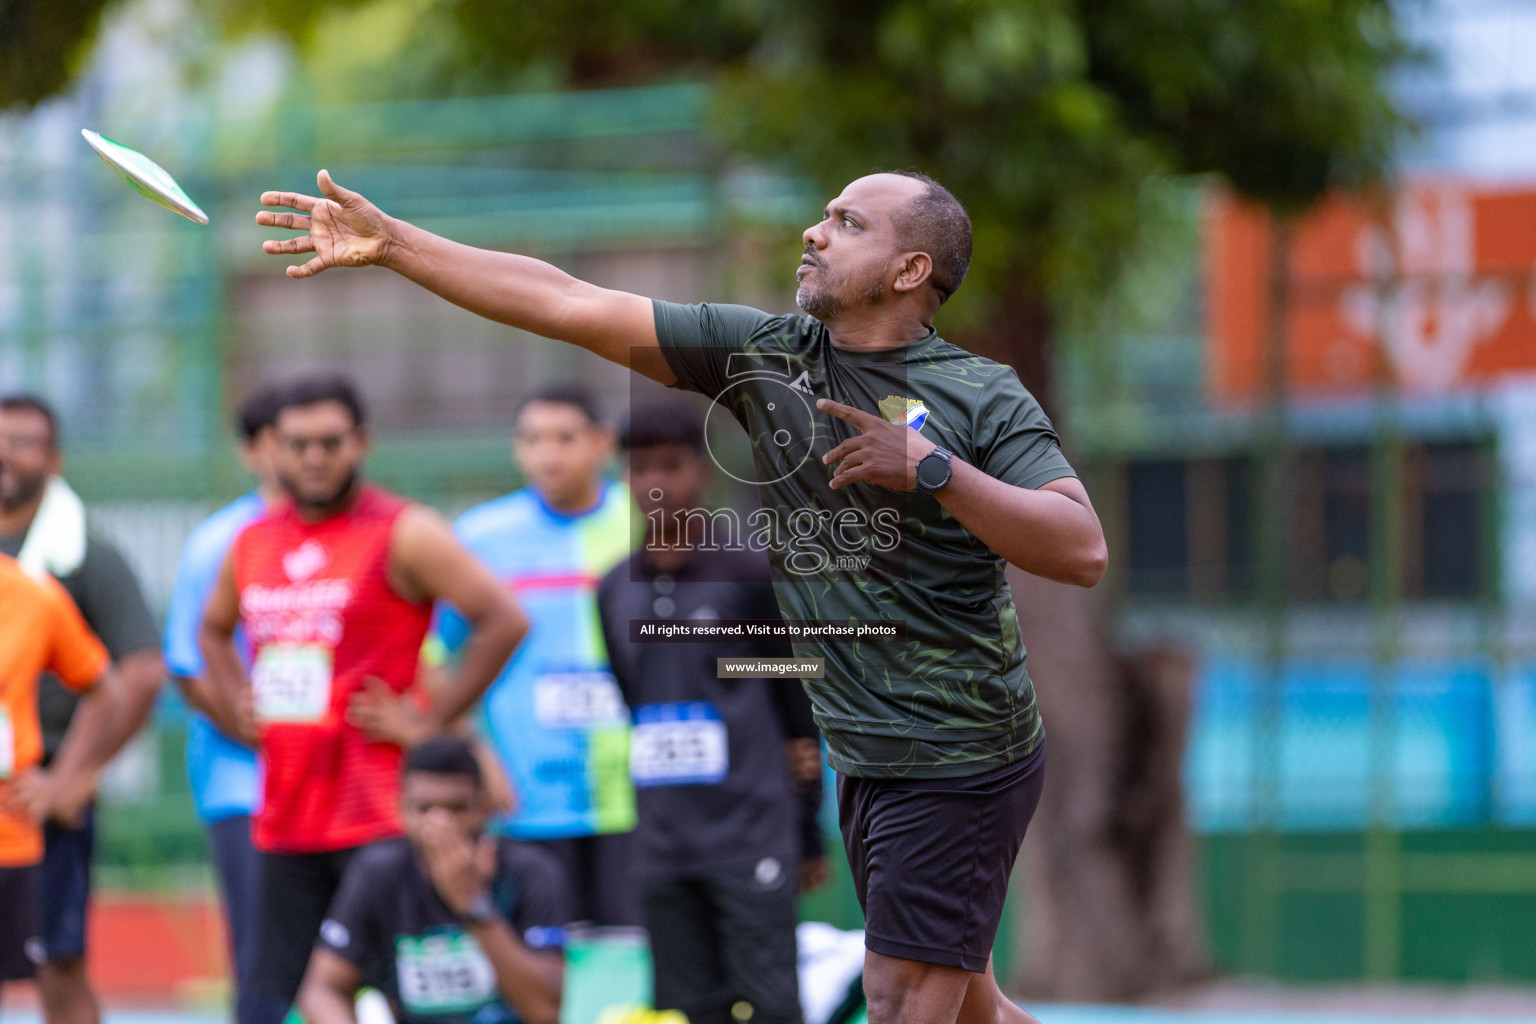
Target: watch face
(932,471)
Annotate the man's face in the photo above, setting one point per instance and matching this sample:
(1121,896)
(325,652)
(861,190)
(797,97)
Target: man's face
(27,457)
(318,452)
(668,479)
(850,254)
(454,800)
(559,450)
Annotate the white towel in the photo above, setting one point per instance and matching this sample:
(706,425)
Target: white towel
(55,542)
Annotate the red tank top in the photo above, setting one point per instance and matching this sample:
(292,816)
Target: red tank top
(316,602)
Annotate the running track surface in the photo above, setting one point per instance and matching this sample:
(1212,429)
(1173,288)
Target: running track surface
(1046,1014)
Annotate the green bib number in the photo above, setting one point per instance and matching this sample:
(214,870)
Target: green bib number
(443,973)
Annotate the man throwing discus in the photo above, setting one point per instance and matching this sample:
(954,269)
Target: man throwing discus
(896,474)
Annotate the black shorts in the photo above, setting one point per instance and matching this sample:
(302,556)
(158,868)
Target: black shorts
(726,937)
(18,922)
(931,858)
(65,880)
(296,892)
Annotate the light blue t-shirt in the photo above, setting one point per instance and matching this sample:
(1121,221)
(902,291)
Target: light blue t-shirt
(223,773)
(554,715)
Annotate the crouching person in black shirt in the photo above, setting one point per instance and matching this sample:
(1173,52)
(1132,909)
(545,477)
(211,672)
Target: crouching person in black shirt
(451,924)
(726,771)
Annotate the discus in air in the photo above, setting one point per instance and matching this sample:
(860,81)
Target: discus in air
(148,178)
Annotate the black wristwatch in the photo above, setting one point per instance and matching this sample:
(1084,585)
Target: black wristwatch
(481,910)
(934,470)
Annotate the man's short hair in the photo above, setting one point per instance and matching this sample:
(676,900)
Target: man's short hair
(564,393)
(257,412)
(936,223)
(35,405)
(663,422)
(317,388)
(443,755)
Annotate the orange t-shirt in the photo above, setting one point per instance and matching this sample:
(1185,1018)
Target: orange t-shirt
(40,628)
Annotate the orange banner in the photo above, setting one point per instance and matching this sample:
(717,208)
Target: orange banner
(1430,291)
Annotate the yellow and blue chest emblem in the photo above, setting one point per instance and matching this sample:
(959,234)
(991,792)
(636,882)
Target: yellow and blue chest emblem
(895,409)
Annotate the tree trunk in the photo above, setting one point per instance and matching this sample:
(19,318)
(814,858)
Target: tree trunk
(1110,909)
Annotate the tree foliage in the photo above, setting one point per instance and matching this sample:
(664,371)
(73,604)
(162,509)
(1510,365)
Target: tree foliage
(39,43)
(1047,117)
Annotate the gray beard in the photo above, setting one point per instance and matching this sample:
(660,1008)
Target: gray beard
(815,302)
(823,304)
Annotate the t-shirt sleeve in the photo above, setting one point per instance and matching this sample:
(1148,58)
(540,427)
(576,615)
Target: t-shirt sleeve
(542,911)
(698,340)
(75,656)
(350,927)
(1014,440)
(113,602)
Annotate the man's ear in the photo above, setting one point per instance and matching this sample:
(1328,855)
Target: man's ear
(915,268)
(607,437)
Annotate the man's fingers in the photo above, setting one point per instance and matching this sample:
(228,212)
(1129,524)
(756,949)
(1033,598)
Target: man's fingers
(853,461)
(279,246)
(328,185)
(858,417)
(293,200)
(485,857)
(843,450)
(309,269)
(847,475)
(292,221)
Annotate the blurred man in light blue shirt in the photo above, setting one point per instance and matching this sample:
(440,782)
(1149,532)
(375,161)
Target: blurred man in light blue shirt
(223,772)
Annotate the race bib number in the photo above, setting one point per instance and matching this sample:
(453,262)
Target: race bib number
(678,745)
(7,745)
(571,700)
(444,973)
(292,682)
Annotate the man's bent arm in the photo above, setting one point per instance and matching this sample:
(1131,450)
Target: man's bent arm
(329,992)
(228,689)
(89,742)
(344,229)
(141,674)
(427,563)
(529,979)
(1051,531)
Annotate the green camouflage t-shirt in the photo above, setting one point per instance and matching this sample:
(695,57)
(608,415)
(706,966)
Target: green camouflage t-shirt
(953,697)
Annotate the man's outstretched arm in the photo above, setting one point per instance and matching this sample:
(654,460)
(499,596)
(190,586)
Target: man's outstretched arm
(345,230)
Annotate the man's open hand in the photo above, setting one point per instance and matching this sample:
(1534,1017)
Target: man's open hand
(388,717)
(884,453)
(41,795)
(460,867)
(345,230)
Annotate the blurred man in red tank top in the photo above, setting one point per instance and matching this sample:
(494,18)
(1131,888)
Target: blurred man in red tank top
(335,588)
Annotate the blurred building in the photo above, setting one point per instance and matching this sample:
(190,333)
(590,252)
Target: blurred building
(1318,466)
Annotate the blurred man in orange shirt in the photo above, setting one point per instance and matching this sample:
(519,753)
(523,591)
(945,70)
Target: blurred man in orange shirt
(40,628)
